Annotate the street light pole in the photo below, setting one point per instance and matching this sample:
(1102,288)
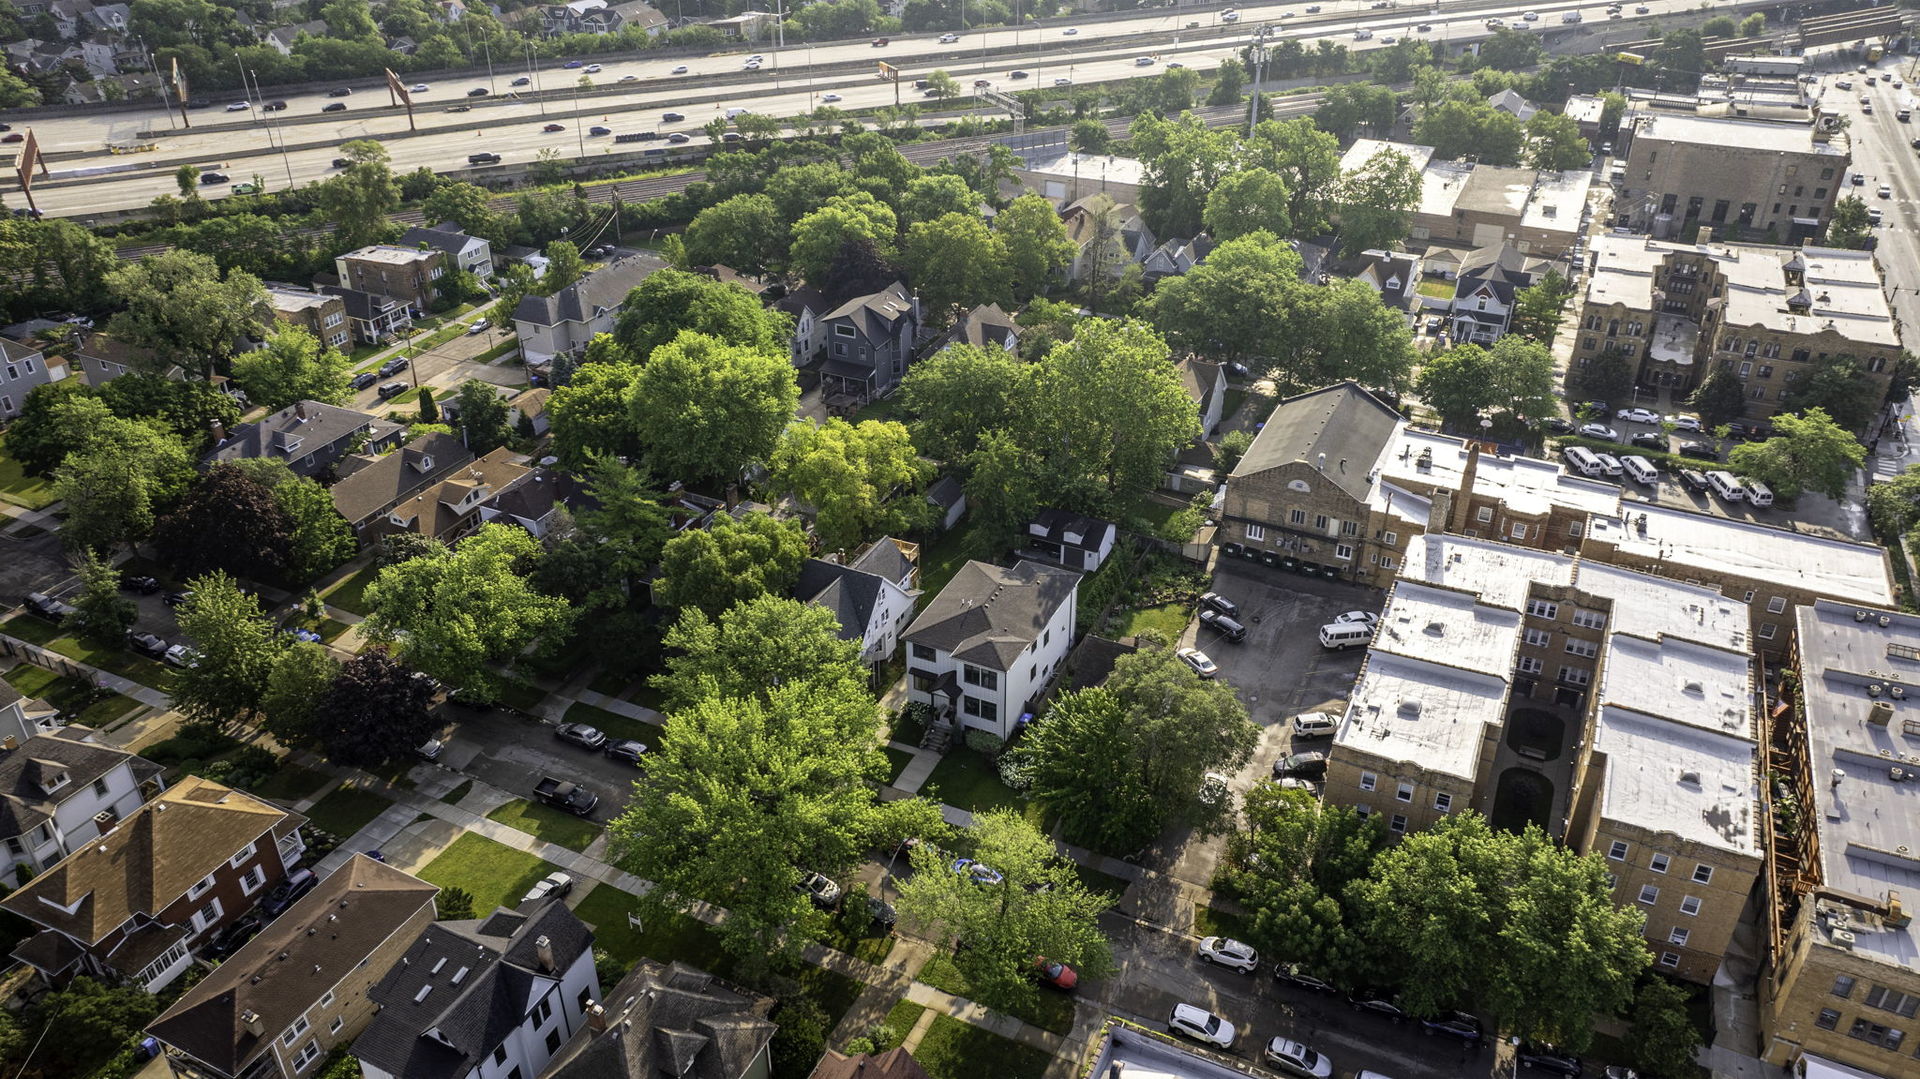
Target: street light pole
(487,49)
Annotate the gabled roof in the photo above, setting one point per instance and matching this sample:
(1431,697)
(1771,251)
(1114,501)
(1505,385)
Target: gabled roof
(1059,526)
(805,298)
(432,511)
(888,557)
(14,351)
(599,292)
(472,982)
(362,304)
(1202,379)
(946,492)
(373,483)
(876,314)
(850,594)
(285,970)
(26,772)
(1342,422)
(986,326)
(297,430)
(1510,102)
(669,1021)
(988,614)
(446,236)
(149,859)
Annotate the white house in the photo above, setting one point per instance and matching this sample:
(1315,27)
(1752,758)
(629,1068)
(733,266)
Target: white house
(57,791)
(1206,383)
(470,253)
(809,307)
(1074,541)
(567,320)
(988,644)
(872,596)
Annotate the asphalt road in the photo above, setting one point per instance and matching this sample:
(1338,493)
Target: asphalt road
(1882,152)
(512,752)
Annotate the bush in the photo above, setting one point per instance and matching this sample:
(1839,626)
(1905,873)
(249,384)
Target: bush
(608,969)
(802,1036)
(1015,772)
(1232,447)
(456,904)
(984,742)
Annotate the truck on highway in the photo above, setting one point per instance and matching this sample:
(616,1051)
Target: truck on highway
(571,797)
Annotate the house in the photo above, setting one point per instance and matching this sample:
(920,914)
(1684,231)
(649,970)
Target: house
(985,326)
(1175,257)
(872,596)
(1063,177)
(464,252)
(1485,285)
(808,308)
(452,508)
(950,499)
(984,650)
(375,317)
(1395,275)
(408,274)
(1107,236)
(531,403)
(58,790)
(99,358)
(895,1063)
(22,718)
(1071,540)
(482,998)
(1513,105)
(136,86)
(307,435)
(293,993)
(535,504)
(1586,110)
(1206,383)
(281,38)
(671,1020)
(67,16)
(1467,204)
(869,341)
(746,26)
(322,314)
(131,902)
(599,17)
(371,485)
(24,367)
(567,320)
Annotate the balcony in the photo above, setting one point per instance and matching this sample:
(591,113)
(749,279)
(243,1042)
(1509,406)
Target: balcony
(291,848)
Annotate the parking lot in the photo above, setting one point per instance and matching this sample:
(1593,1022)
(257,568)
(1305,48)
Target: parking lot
(512,752)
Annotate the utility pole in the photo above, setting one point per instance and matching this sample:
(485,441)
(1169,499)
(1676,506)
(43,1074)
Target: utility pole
(487,49)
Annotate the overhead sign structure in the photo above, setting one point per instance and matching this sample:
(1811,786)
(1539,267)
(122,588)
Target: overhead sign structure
(29,157)
(889,73)
(398,93)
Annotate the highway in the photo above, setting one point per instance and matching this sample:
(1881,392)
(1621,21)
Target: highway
(793,82)
(1882,154)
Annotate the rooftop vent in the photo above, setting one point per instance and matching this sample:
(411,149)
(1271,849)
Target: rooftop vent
(1886,620)
(1696,689)
(1410,709)
(1874,689)
(1690,778)
(1860,616)
(1899,775)
(1898,693)
(460,975)
(1880,714)
(1843,938)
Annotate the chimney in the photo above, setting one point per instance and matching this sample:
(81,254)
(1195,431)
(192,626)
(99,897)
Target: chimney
(596,1017)
(1438,512)
(300,411)
(1458,523)
(254,1026)
(1880,714)
(543,946)
(219,432)
(1704,236)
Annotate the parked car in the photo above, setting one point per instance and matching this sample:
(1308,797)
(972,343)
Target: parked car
(1637,415)
(1295,1058)
(394,366)
(1600,431)
(1295,783)
(1556,426)
(571,797)
(1200,662)
(1377,1001)
(977,872)
(580,734)
(1312,764)
(288,892)
(1202,1026)
(1315,725)
(1229,953)
(1225,626)
(233,937)
(47,607)
(1548,1058)
(430,749)
(552,886)
(1056,974)
(148,645)
(626,749)
(1456,1024)
(1650,440)
(819,888)
(364,379)
(146,586)
(1300,979)
(1694,479)
(182,656)
(1220,603)
(1360,618)
(390,390)
(1683,422)
(882,913)
(1702,451)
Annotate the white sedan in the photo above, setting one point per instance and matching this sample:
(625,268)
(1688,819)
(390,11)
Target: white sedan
(1600,431)
(1886,191)
(1232,954)
(1070,31)
(418,88)
(681,70)
(1202,665)
(1202,1026)
(1295,1058)
(1683,422)
(1637,415)
(1063,81)
(829,97)
(1364,618)
(238,106)
(948,39)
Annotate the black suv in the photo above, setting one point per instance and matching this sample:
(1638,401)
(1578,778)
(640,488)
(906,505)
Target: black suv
(1548,1058)
(1459,1025)
(147,645)
(391,390)
(146,586)
(394,366)
(364,379)
(1700,451)
(1227,627)
(1650,440)
(47,607)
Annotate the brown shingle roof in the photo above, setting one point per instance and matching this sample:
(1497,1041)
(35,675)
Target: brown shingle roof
(895,1063)
(431,512)
(381,481)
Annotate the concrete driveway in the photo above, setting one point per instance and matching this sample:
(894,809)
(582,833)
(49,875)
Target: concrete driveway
(512,752)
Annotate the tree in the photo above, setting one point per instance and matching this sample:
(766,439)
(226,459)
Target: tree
(429,412)
(1036,245)
(1250,200)
(1606,377)
(1308,160)
(1292,869)
(958,394)
(1465,382)
(298,683)
(1457,129)
(1719,398)
(1089,136)
(1107,411)
(745,232)
(95,1021)
(861,479)
(1351,106)
(1554,142)
(1841,386)
(236,650)
(627,522)
(1037,907)
(227,521)
(798,190)
(1894,504)
(189,409)
(293,367)
(1376,201)
(1807,452)
(1235,306)
(481,414)
(375,711)
(1122,761)
(112,481)
(818,236)
(179,305)
(706,410)
(469,206)
(1849,226)
(1753,25)
(1343,331)
(187,179)
(457,613)
(593,413)
(935,195)
(759,643)
(318,538)
(671,301)
(564,267)
(1181,160)
(1513,50)
(943,86)
(360,198)
(453,905)
(736,560)
(1228,80)
(1664,1037)
(954,261)
(102,615)
(1536,308)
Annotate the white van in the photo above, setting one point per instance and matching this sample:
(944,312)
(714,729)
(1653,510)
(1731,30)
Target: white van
(1609,464)
(1758,494)
(737,111)
(1640,469)
(1726,486)
(1571,16)
(1582,460)
(1339,635)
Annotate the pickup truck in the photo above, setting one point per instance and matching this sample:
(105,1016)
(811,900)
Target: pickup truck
(571,797)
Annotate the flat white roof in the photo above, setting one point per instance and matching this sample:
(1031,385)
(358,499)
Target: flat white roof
(1414,711)
(1446,627)
(1655,607)
(1708,689)
(1557,200)
(1667,777)
(1526,485)
(1118,170)
(1364,150)
(1498,573)
(1680,539)
(1716,131)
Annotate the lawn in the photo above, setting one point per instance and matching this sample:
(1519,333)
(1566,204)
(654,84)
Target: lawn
(969,780)
(676,937)
(1209,922)
(74,698)
(1050,1010)
(614,724)
(1168,621)
(120,662)
(952,1049)
(1156,513)
(346,809)
(453,796)
(504,348)
(886,408)
(351,594)
(1435,287)
(1230,404)
(493,873)
(896,761)
(546,823)
(21,489)
(521,696)
(1100,883)
(900,1021)
(291,782)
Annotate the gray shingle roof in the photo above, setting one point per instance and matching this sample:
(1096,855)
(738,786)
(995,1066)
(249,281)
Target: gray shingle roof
(850,594)
(384,480)
(311,423)
(446,236)
(1060,524)
(604,289)
(1342,421)
(946,492)
(988,614)
(670,1021)
(876,314)
(24,802)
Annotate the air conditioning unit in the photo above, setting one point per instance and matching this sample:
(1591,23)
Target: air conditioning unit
(1843,938)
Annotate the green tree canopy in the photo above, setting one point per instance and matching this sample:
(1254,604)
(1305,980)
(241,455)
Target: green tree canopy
(671,302)
(754,646)
(1107,411)
(955,262)
(960,393)
(297,685)
(1554,142)
(227,521)
(179,305)
(1514,378)
(1376,202)
(1849,226)
(101,615)
(481,416)
(706,410)
(1806,452)
(236,647)
(319,538)
(1840,386)
(818,236)
(745,232)
(1181,160)
(1308,160)
(592,414)
(862,480)
(292,367)
(375,711)
(736,560)
(1036,244)
(1457,129)
(1250,200)
(1235,306)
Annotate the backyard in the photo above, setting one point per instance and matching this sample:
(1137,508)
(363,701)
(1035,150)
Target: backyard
(120,662)
(351,594)
(21,489)
(77,701)
(951,1049)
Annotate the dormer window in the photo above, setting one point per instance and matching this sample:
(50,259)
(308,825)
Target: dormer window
(292,444)
(54,782)
(424,465)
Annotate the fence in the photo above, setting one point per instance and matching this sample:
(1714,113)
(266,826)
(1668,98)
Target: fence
(52,661)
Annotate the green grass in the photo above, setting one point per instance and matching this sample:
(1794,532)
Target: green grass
(493,873)
(952,1049)
(1230,404)
(1209,922)
(665,939)
(901,1019)
(21,489)
(453,796)
(902,728)
(546,823)
(614,724)
(346,809)
(885,408)
(1155,512)
(610,683)
(1049,1010)
(291,782)
(522,696)
(941,559)
(969,780)
(1168,620)
(120,662)
(510,345)
(351,594)
(1436,288)
(896,761)
(72,696)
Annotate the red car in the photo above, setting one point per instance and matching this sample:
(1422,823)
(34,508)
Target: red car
(14,137)
(554,127)
(1058,975)
(879,43)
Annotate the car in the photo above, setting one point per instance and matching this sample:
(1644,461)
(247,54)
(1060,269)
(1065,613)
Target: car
(751,65)
(1650,440)
(14,137)
(340,91)
(430,749)
(1557,426)
(1844,84)
(554,127)
(479,325)
(177,599)
(1220,603)
(1295,1058)
(551,886)
(342,162)
(1174,65)
(1363,618)
(146,586)
(1591,410)
(1642,9)
(1547,1058)
(1227,627)
(240,106)
(1363,35)
(580,734)
(213,178)
(629,78)
(977,872)
(1311,764)
(288,892)
(882,913)
(671,117)
(1056,974)
(394,366)
(461,108)
(1016,75)
(245,189)
(1885,191)
(1875,215)
(1683,422)
(1496,23)
(478,91)
(148,645)
(389,390)
(1424,28)
(1378,1001)
(1295,783)
(1201,1025)
(1694,479)
(980,84)
(819,888)
(1313,9)
(1700,451)
(1455,1024)
(233,937)
(47,607)
(598,130)
(1600,431)
(1229,953)
(830,98)
(626,749)
(1070,31)
(1202,665)
(1143,61)
(364,379)
(679,137)
(338,106)
(1062,81)
(1637,415)
(418,88)
(680,70)
(1291,974)
(1531,16)
(880,43)
(732,136)
(593,69)
(1315,725)
(1215,788)
(948,39)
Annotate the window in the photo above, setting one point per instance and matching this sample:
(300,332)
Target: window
(1874,1034)
(1404,792)
(100,787)
(1690,906)
(1321,523)
(306,1054)
(1776,605)
(1256,532)
(1297,517)
(1574,676)
(1892,1000)
(1540,608)
(1618,852)
(1343,552)
(553,1041)
(1578,647)
(921,651)
(207,917)
(1443,802)
(1679,936)
(1843,986)
(1669,959)
(293,1033)
(327,999)
(1517,531)
(843,331)
(1391,539)
(980,676)
(1539,638)
(1658,863)
(200,889)
(1828,1019)
(1484,514)
(334,1027)
(1703,874)
(1588,619)
(1574,530)
(1767,631)
(1386,563)
(500,1053)
(1531,665)
(1368,781)
(254,878)
(543,1011)
(1398,823)
(1649,894)
(980,709)
(1349,528)
(242,855)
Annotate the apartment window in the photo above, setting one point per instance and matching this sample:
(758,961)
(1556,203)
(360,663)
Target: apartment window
(306,1055)
(254,878)
(1540,608)
(1443,802)
(1703,874)
(1776,605)
(334,1027)
(921,651)
(543,1011)
(1404,792)
(553,1041)
(242,855)
(1539,638)
(1843,986)
(1321,522)
(1531,665)
(1575,676)
(1679,936)
(1397,823)
(1588,619)
(980,709)
(1892,1000)
(1518,531)
(1766,370)
(1690,906)
(293,1033)
(1256,532)
(1767,631)
(1386,563)
(1669,960)
(1874,1034)
(1349,528)
(1649,894)
(1658,863)
(1368,781)
(1391,539)
(1574,530)
(327,998)
(1579,647)
(1297,517)
(1828,1020)
(1484,514)
(500,1053)
(200,889)
(1618,851)
(980,676)
(100,787)
(1343,552)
